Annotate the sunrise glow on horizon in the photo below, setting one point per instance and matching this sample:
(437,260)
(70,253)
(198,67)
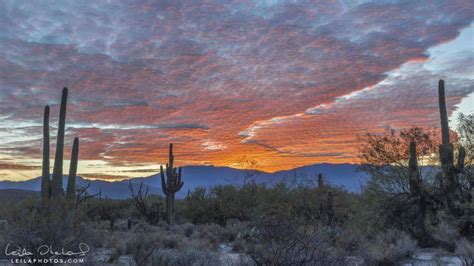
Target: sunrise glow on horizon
(283,84)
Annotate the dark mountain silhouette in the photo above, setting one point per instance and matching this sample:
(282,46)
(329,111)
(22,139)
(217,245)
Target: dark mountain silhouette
(343,175)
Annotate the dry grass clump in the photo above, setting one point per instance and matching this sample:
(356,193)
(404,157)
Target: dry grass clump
(389,247)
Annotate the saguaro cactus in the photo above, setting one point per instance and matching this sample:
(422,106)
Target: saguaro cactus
(45,177)
(52,191)
(329,208)
(320,181)
(416,192)
(414,175)
(170,184)
(57,183)
(446,152)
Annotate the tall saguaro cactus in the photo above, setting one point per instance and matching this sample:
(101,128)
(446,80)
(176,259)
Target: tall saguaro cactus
(52,190)
(45,181)
(57,183)
(170,184)
(446,151)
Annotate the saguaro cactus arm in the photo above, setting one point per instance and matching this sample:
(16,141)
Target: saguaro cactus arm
(71,183)
(171,157)
(163,181)
(57,183)
(178,184)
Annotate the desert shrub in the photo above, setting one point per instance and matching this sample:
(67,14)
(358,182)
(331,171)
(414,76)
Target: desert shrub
(143,227)
(223,202)
(171,241)
(446,235)
(220,204)
(196,208)
(33,227)
(211,233)
(183,257)
(232,230)
(389,247)
(283,240)
(97,209)
(229,204)
(188,229)
(350,240)
(141,248)
(465,222)
(239,245)
(465,248)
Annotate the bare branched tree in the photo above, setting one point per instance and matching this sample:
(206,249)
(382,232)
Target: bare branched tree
(150,211)
(83,195)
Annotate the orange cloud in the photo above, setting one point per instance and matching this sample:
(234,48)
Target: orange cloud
(285,84)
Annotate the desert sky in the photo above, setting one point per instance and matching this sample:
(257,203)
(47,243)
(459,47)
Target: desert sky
(280,84)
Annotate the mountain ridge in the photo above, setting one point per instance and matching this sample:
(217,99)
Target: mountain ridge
(343,175)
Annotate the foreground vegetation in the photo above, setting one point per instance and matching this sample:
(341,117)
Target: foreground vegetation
(286,224)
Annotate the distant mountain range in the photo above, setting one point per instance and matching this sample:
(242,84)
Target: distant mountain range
(343,175)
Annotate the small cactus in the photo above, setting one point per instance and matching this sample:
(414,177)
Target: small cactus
(414,175)
(329,208)
(320,181)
